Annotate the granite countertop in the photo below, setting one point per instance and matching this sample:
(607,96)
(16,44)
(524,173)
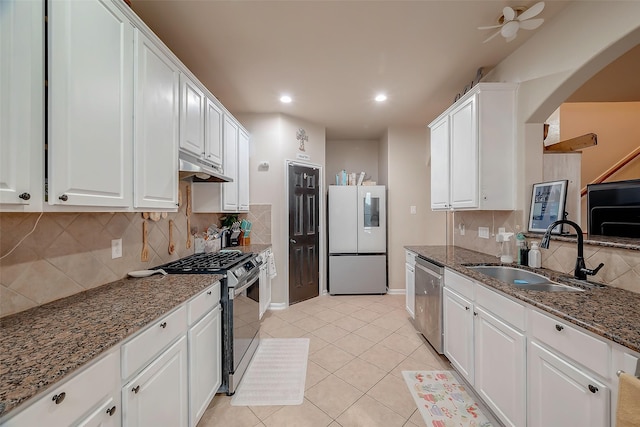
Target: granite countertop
(606,311)
(255,248)
(40,346)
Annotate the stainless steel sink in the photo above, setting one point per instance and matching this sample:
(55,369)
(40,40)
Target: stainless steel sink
(523,279)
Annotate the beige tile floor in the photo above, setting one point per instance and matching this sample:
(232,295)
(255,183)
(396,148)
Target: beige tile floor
(359,347)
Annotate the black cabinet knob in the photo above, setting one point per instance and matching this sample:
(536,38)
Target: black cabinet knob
(559,328)
(25,196)
(64,197)
(111,411)
(592,388)
(58,398)
(209,293)
(163,325)
(466,308)
(136,389)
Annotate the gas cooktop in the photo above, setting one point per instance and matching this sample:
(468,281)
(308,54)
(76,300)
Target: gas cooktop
(206,263)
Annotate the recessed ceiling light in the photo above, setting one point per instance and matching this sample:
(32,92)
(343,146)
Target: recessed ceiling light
(285,99)
(381,97)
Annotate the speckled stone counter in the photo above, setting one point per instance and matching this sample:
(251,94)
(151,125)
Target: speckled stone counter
(607,311)
(41,346)
(256,249)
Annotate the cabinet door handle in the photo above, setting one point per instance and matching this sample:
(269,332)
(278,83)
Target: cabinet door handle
(58,398)
(559,328)
(136,389)
(64,197)
(593,389)
(466,308)
(111,411)
(163,325)
(475,314)
(209,293)
(25,196)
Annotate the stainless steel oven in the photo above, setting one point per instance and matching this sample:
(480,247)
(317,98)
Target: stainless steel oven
(240,301)
(244,318)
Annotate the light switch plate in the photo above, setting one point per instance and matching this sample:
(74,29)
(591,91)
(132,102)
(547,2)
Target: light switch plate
(412,210)
(483,232)
(116,248)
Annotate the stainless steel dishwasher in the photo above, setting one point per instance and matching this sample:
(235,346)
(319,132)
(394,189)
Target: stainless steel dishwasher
(428,316)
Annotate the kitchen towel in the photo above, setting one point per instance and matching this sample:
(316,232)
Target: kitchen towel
(271,266)
(628,412)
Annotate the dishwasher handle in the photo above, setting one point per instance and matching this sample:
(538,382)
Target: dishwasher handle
(429,268)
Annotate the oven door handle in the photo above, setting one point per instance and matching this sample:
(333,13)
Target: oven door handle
(237,291)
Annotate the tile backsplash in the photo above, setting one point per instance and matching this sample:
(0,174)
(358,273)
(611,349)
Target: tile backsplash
(71,252)
(622,266)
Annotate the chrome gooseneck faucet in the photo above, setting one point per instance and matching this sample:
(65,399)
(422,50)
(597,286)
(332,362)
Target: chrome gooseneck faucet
(581,270)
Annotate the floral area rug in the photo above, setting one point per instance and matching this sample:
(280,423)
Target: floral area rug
(443,400)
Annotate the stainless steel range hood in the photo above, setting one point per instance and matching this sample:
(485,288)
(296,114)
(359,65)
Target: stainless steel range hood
(194,169)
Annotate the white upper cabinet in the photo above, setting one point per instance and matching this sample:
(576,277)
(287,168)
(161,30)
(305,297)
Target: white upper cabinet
(213,133)
(156,127)
(230,189)
(90,104)
(440,164)
(21,105)
(243,171)
(473,151)
(192,105)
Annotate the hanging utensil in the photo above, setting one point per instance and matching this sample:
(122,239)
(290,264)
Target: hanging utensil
(172,246)
(188,209)
(144,256)
(145,215)
(154,216)
(188,232)
(164,215)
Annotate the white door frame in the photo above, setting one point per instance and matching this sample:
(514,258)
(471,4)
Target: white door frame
(322,288)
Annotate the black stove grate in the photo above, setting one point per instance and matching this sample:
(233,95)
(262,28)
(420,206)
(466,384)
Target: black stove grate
(205,263)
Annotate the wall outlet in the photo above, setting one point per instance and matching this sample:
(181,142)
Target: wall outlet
(116,248)
(412,210)
(483,232)
(461,228)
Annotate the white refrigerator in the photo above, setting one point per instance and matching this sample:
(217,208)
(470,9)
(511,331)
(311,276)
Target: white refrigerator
(357,239)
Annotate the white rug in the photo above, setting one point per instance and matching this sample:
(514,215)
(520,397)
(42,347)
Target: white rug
(276,375)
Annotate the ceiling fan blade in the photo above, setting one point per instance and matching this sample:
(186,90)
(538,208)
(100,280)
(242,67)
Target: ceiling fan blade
(490,27)
(531,12)
(508,13)
(531,24)
(492,36)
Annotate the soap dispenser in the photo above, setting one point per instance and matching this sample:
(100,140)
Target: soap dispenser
(506,255)
(535,259)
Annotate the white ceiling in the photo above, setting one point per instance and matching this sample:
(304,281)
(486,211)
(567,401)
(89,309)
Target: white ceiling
(334,56)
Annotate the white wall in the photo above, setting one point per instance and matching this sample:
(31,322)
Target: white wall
(273,139)
(563,54)
(353,156)
(408,183)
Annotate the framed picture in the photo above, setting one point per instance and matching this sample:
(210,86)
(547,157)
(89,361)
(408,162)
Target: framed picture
(548,201)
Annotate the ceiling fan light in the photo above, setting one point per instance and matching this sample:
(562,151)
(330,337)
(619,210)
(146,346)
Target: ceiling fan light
(509,29)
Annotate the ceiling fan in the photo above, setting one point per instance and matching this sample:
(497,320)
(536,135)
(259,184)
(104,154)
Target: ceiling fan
(513,19)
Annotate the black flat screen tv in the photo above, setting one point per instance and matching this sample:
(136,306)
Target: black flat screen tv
(613,209)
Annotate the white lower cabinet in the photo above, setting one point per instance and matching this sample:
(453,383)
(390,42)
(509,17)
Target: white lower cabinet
(410,282)
(500,367)
(158,396)
(68,403)
(563,395)
(265,283)
(458,333)
(205,363)
(107,415)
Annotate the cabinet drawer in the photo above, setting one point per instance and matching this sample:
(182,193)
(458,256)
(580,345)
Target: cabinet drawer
(138,351)
(501,306)
(410,258)
(583,348)
(75,397)
(463,285)
(203,303)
